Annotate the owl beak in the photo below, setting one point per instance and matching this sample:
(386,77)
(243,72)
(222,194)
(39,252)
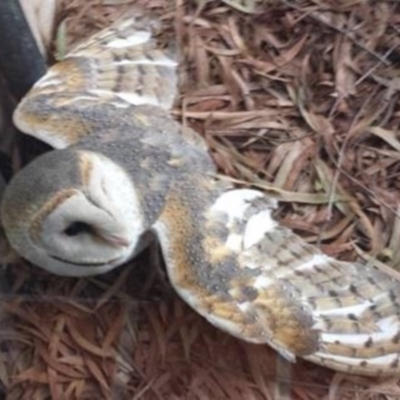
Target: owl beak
(117,241)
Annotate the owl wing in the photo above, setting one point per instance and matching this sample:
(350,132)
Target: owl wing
(248,275)
(117,68)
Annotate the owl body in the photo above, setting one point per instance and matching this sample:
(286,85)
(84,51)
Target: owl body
(159,155)
(124,169)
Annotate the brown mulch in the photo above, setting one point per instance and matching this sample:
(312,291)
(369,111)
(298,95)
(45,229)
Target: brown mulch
(297,98)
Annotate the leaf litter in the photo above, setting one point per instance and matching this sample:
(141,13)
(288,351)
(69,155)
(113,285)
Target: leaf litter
(297,98)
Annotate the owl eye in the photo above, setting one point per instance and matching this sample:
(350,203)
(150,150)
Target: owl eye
(78,227)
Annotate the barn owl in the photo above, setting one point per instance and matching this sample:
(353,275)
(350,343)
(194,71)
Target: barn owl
(123,168)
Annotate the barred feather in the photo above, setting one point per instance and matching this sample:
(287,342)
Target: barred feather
(257,280)
(120,66)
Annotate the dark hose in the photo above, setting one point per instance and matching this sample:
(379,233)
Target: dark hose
(20,59)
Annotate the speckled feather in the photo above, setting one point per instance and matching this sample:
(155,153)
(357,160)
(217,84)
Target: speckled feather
(266,285)
(118,67)
(161,152)
(225,254)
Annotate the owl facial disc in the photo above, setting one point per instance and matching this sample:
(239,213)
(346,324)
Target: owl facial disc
(74,213)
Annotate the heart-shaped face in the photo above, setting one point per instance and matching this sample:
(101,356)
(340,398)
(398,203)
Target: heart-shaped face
(73,213)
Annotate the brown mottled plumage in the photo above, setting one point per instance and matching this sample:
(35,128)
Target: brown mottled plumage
(118,67)
(125,168)
(272,287)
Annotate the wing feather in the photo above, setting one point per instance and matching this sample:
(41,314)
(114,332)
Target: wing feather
(233,263)
(119,67)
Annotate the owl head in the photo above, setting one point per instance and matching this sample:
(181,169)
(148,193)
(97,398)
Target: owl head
(73,213)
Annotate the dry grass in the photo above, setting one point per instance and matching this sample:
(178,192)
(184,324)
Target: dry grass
(300,99)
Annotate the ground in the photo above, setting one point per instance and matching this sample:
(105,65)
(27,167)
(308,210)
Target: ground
(297,98)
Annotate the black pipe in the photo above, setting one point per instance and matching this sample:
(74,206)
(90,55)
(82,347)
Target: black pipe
(21,62)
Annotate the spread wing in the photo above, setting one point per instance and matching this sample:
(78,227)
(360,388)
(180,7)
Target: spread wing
(117,68)
(246,274)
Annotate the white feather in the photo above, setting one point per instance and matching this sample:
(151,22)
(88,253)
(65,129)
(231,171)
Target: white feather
(356,310)
(51,78)
(317,259)
(235,203)
(380,361)
(162,62)
(234,242)
(262,282)
(256,228)
(137,100)
(138,38)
